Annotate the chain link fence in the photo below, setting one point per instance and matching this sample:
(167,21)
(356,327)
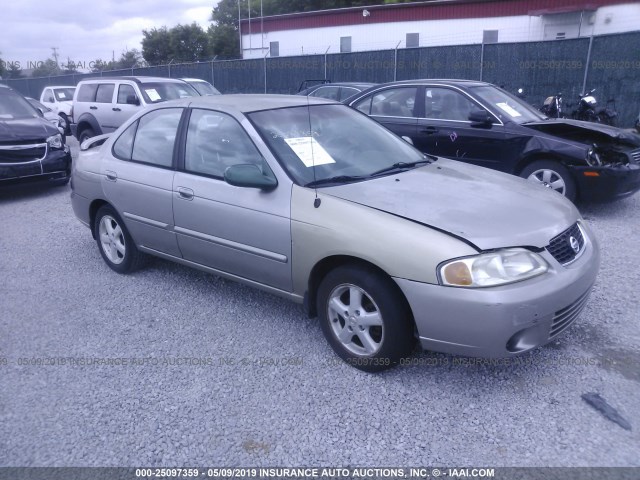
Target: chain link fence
(609,63)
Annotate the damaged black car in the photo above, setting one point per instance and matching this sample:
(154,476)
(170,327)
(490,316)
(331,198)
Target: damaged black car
(32,149)
(479,123)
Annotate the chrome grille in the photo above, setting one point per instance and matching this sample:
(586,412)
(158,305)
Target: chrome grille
(17,153)
(635,155)
(560,246)
(566,316)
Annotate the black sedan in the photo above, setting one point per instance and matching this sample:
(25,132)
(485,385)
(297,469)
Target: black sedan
(479,123)
(335,91)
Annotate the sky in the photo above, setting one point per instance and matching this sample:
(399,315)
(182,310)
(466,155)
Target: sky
(84,30)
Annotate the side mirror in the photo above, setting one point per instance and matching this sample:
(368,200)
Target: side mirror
(481,118)
(249,175)
(40,111)
(133,100)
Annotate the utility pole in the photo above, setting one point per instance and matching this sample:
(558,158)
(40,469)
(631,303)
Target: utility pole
(55,55)
(240,31)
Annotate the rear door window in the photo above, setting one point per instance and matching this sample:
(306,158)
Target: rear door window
(87,92)
(105,93)
(156,136)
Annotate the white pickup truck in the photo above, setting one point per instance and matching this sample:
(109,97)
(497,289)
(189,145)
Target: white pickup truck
(59,99)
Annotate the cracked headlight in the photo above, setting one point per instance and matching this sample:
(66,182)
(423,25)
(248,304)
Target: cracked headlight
(55,141)
(490,269)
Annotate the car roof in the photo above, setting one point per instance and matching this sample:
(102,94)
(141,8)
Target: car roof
(246,103)
(139,79)
(438,81)
(194,80)
(60,86)
(345,84)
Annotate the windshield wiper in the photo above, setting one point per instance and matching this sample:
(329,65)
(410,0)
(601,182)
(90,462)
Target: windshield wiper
(401,166)
(336,179)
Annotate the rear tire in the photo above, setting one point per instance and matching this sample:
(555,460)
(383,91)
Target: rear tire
(114,242)
(365,318)
(552,175)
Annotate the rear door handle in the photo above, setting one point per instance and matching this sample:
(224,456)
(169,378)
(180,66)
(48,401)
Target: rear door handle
(93,107)
(116,109)
(429,130)
(185,193)
(113,176)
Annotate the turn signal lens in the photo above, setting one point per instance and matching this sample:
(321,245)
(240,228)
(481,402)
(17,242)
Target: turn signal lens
(457,273)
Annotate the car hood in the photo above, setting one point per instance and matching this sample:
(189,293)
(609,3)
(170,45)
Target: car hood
(26,129)
(487,208)
(586,132)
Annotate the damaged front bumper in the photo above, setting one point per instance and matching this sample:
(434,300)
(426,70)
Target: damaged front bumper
(607,182)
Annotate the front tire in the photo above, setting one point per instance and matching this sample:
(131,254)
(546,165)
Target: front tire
(552,175)
(64,123)
(86,134)
(114,242)
(365,318)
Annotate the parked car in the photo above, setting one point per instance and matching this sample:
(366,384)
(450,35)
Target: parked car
(48,114)
(59,100)
(378,240)
(479,123)
(202,86)
(101,105)
(31,148)
(340,91)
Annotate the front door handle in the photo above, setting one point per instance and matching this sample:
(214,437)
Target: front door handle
(185,193)
(429,130)
(116,109)
(113,176)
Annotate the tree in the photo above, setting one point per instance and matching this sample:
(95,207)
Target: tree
(100,65)
(69,67)
(47,68)
(156,46)
(223,41)
(2,68)
(188,43)
(129,59)
(14,71)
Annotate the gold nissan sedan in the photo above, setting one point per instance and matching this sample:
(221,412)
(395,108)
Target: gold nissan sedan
(311,200)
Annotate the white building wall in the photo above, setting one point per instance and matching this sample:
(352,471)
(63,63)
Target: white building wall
(382,36)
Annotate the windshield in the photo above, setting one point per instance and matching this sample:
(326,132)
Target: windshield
(342,142)
(64,94)
(157,92)
(507,106)
(204,88)
(14,107)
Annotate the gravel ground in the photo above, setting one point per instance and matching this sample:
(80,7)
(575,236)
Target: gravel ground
(217,373)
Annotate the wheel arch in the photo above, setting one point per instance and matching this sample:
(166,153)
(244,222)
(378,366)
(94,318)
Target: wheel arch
(93,210)
(538,156)
(326,265)
(85,121)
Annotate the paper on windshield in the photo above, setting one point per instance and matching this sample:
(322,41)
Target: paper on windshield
(309,151)
(62,95)
(509,109)
(153,94)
